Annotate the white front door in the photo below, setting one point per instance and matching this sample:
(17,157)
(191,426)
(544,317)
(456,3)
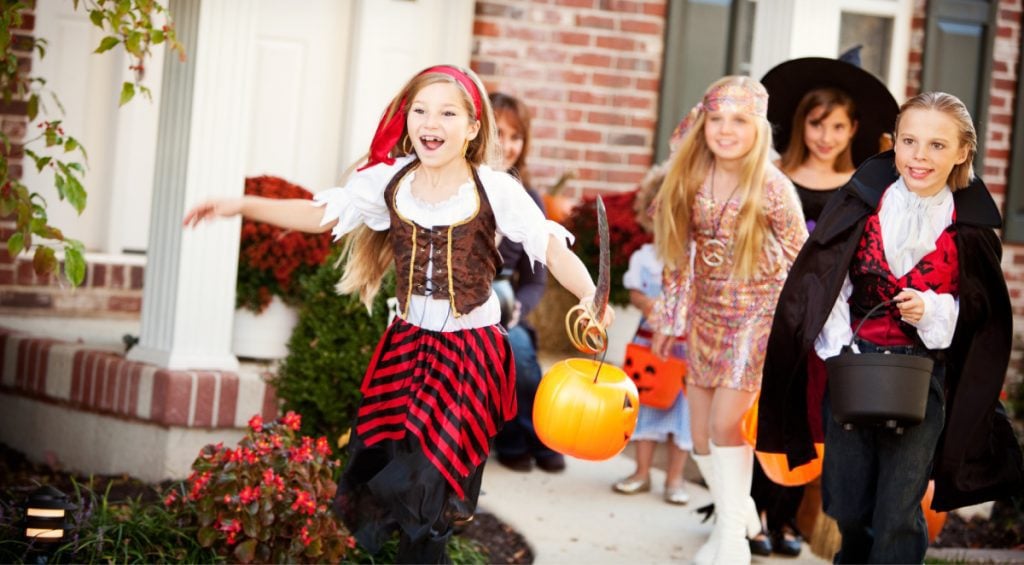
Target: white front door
(391,41)
(320,74)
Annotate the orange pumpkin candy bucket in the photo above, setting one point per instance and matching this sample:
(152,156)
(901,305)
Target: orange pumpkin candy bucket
(584,407)
(775,465)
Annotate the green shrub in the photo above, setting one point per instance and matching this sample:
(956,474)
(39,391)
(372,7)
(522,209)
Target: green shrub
(329,351)
(268,500)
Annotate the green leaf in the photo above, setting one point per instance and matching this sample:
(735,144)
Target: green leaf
(127,93)
(96,16)
(15,244)
(107,44)
(249,526)
(74,265)
(70,145)
(32,108)
(315,548)
(133,44)
(44,261)
(75,193)
(207,535)
(246,551)
(156,36)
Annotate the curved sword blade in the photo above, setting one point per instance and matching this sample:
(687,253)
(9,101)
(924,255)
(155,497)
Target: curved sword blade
(604,273)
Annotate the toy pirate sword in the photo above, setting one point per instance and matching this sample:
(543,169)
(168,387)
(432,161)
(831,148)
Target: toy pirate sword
(583,322)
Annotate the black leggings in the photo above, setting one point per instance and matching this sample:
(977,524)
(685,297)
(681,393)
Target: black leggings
(779,503)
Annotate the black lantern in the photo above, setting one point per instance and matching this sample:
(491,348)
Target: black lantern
(46,516)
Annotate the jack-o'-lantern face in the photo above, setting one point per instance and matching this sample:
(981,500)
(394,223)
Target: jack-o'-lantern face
(585,409)
(658,381)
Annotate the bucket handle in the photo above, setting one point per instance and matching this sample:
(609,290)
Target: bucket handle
(866,317)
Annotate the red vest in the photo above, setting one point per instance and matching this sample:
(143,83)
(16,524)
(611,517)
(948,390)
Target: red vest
(874,282)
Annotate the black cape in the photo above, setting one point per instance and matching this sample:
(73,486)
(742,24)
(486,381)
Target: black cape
(978,458)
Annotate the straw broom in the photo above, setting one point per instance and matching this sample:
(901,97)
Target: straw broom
(825,537)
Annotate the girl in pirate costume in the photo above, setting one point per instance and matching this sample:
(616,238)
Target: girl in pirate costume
(727,226)
(441,382)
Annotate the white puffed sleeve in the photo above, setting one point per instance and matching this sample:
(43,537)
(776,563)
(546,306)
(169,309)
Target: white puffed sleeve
(360,201)
(938,322)
(517,215)
(836,333)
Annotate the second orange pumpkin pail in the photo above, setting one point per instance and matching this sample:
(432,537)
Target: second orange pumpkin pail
(578,416)
(775,465)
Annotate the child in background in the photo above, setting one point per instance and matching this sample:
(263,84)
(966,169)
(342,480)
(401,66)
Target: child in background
(822,133)
(671,425)
(517,445)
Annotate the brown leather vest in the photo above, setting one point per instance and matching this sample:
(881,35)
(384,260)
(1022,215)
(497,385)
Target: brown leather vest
(464,255)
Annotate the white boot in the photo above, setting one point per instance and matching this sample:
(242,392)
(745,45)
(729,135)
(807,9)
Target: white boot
(706,554)
(734,466)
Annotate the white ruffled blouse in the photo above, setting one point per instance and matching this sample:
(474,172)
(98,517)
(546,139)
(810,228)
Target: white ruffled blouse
(910,226)
(361,202)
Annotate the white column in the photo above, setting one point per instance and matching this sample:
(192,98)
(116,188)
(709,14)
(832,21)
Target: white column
(189,295)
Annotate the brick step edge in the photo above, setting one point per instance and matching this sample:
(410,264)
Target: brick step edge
(104,382)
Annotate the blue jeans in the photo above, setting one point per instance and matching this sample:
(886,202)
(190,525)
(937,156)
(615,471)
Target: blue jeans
(873,479)
(518,437)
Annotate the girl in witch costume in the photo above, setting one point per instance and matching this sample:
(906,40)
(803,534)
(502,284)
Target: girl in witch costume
(913,225)
(727,226)
(441,382)
(822,134)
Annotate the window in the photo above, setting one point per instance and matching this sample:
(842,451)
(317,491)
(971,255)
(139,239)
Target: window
(704,40)
(958,55)
(882,28)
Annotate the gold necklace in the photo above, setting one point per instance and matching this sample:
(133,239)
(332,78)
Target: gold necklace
(713,251)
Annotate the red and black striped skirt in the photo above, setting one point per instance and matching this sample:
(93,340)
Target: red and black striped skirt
(432,402)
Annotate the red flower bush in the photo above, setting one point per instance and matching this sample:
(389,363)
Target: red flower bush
(271,259)
(267,500)
(625,236)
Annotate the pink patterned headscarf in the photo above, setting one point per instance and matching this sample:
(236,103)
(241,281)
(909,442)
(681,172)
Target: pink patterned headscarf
(752,99)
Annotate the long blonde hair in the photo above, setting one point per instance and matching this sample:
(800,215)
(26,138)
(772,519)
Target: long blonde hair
(962,174)
(368,252)
(689,168)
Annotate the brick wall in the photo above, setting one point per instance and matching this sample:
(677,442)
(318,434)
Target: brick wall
(111,288)
(590,71)
(917,28)
(14,122)
(999,133)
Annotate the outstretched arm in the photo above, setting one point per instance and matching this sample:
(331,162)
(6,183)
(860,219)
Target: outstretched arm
(295,214)
(572,274)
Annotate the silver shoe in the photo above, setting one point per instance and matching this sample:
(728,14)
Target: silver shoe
(630,485)
(676,495)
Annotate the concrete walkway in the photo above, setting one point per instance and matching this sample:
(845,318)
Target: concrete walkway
(575,517)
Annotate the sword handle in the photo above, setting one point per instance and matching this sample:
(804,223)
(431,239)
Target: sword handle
(585,332)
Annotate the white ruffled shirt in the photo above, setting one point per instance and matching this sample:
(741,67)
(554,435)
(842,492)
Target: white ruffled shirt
(361,202)
(910,227)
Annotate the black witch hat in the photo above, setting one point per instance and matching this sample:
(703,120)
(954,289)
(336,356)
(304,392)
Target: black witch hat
(788,82)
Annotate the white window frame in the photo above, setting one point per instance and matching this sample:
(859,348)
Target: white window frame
(790,29)
(901,12)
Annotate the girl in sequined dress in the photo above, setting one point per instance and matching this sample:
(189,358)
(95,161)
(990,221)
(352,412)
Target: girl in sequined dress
(728,225)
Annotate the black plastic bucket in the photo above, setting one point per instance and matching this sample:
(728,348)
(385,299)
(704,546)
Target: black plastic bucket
(878,389)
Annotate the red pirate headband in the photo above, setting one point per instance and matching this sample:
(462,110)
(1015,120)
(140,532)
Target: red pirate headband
(389,131)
